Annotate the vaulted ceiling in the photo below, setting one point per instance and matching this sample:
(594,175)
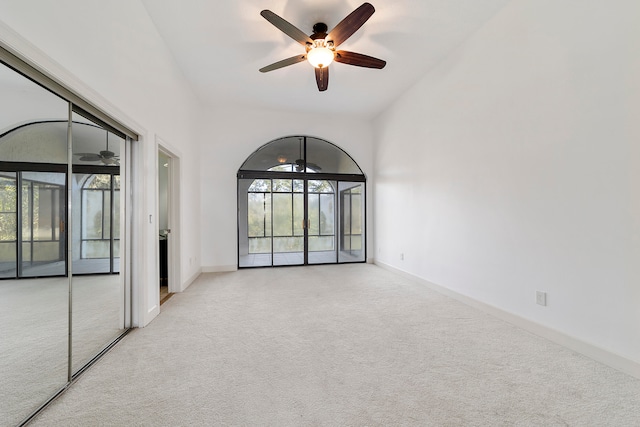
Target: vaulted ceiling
(220,45)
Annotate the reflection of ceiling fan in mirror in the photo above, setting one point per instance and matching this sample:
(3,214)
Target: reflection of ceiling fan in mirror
(105,156)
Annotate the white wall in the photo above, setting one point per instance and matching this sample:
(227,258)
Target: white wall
(231,136)
(513,167)
(112,53)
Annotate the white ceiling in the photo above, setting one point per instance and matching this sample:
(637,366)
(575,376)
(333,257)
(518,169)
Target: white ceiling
(220,45)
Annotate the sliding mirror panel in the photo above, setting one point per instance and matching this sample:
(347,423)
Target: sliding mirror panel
(34,293)
(98,289)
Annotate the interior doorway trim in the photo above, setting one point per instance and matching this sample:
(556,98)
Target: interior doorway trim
(173,215)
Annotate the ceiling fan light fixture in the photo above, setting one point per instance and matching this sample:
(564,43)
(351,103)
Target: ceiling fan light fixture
(320,56)
(320,47)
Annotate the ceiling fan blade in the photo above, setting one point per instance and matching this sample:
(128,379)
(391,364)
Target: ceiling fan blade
(350,24)
(90,158)
(286,27)
(283,63)
(322,78)
(110,161)
(359,59)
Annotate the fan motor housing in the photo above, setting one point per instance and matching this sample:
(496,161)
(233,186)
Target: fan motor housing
(319,31)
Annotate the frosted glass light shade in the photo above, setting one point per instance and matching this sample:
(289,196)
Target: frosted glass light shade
(320,57)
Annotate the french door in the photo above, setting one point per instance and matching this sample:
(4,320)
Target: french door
(286,220)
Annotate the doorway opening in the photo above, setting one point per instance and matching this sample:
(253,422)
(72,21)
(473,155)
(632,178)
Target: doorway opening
(168,212)
(301,201)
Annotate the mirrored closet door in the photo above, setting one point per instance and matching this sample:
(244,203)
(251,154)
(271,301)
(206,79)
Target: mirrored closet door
(34,292)
(97,289)
(63,288)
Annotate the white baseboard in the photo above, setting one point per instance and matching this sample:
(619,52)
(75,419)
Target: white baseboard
(594,352)
(219,268)
(191,279)
(152,313)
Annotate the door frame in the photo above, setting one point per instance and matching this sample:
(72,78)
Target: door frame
(306,177)
(173,217)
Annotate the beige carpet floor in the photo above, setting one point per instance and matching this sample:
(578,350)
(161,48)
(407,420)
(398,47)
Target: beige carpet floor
(333,346)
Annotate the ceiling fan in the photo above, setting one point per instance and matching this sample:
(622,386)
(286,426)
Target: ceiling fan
(300,163)
(105,156)
(320,47)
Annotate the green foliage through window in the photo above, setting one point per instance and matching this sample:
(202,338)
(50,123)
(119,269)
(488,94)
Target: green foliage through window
(277,206)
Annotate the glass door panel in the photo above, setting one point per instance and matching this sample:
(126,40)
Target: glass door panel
(288,221)
(254,223)
(321,196)
(274,229)
(351,219)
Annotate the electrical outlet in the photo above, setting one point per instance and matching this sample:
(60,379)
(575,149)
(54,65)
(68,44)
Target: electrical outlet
(402,257)
(541,298)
